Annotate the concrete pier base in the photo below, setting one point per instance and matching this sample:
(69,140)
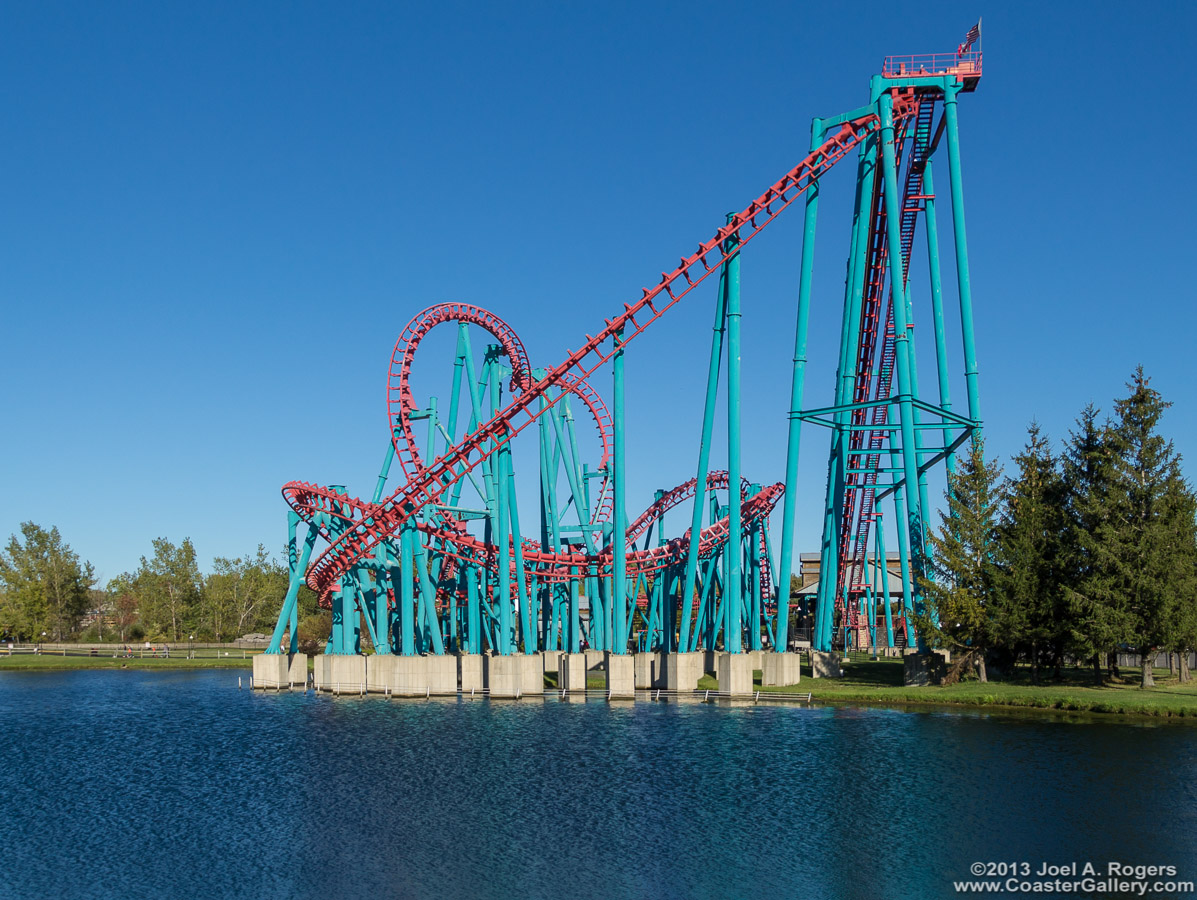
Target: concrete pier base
(757,657)
(594,658)
(469,673)
(682,671)
(825,665)
(380,673)
(650,670)
(518,675)
(710,665)
(571,672)
(734,673)
(552,661)
(340,674)
(531,674)
(440,673)
(407,676)
(297,671)
(621,676)
(922,669)
(280,670)
(781,669)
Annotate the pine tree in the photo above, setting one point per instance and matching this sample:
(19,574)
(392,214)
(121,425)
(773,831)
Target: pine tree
(1145,542)
(960,594)
(1182,631)
(1097,614)
(1030,617)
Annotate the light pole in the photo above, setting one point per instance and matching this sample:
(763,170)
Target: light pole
(39,646)
(190,652)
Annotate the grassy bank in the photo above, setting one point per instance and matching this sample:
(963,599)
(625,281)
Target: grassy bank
(44,662)
(880,681)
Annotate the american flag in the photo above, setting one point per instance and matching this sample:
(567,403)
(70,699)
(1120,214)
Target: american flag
(973,37)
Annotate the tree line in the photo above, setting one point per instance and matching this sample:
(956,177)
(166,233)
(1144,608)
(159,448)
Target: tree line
(46,589)
(1080,554)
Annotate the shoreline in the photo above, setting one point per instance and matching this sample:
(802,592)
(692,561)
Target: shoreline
(866,683)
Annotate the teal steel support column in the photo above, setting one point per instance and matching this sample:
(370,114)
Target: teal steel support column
(941,343)
(903,551)
(797,384)
(299,567)
(619,560)
(503,539)
(893,215)
(964,283)
(845,381)
(686,640)
(473,611)
(734,578)
(883,580)
(407,613)
(517,549)
(575,618)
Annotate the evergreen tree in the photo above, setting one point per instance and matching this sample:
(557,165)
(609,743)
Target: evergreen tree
(961,596)
(1146,540)
(1030,616)
(1182,632)
(1098,618)
(45,585)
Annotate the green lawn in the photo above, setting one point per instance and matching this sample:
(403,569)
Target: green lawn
(880,681)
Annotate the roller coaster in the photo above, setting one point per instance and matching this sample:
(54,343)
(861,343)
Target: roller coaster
(440,564)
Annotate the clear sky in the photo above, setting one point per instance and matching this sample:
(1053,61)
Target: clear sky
(218,217)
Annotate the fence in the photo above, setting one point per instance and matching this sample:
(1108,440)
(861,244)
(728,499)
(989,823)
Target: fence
(161,650)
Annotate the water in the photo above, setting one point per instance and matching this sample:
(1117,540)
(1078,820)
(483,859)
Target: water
(147,784)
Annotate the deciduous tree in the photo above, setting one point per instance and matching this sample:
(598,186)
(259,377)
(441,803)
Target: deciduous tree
(45,584)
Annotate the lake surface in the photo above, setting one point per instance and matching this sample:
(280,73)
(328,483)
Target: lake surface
(146,784)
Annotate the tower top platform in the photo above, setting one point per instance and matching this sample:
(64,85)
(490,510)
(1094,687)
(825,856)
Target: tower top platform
(965,66)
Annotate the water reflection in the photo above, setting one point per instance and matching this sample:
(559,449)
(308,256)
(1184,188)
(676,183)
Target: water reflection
(174,784)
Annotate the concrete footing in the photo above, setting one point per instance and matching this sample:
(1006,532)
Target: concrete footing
(551,661)
(781,669)
(734,673)
(621,676)
(682,670)
(922,669)
(280,670)
(518,675)
(340,674)
(571,672)
(531,674)
(650,670)
(594,658)
(825,665)
(469,673)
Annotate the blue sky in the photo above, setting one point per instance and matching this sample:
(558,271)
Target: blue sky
(217,218)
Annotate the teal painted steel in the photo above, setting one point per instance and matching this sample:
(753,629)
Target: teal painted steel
(915,520)
(687,640)
(882,563)
(732,636)
(797,386)
(299,565)
(941,341)
(455,589)
(963,279)
(619,633)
